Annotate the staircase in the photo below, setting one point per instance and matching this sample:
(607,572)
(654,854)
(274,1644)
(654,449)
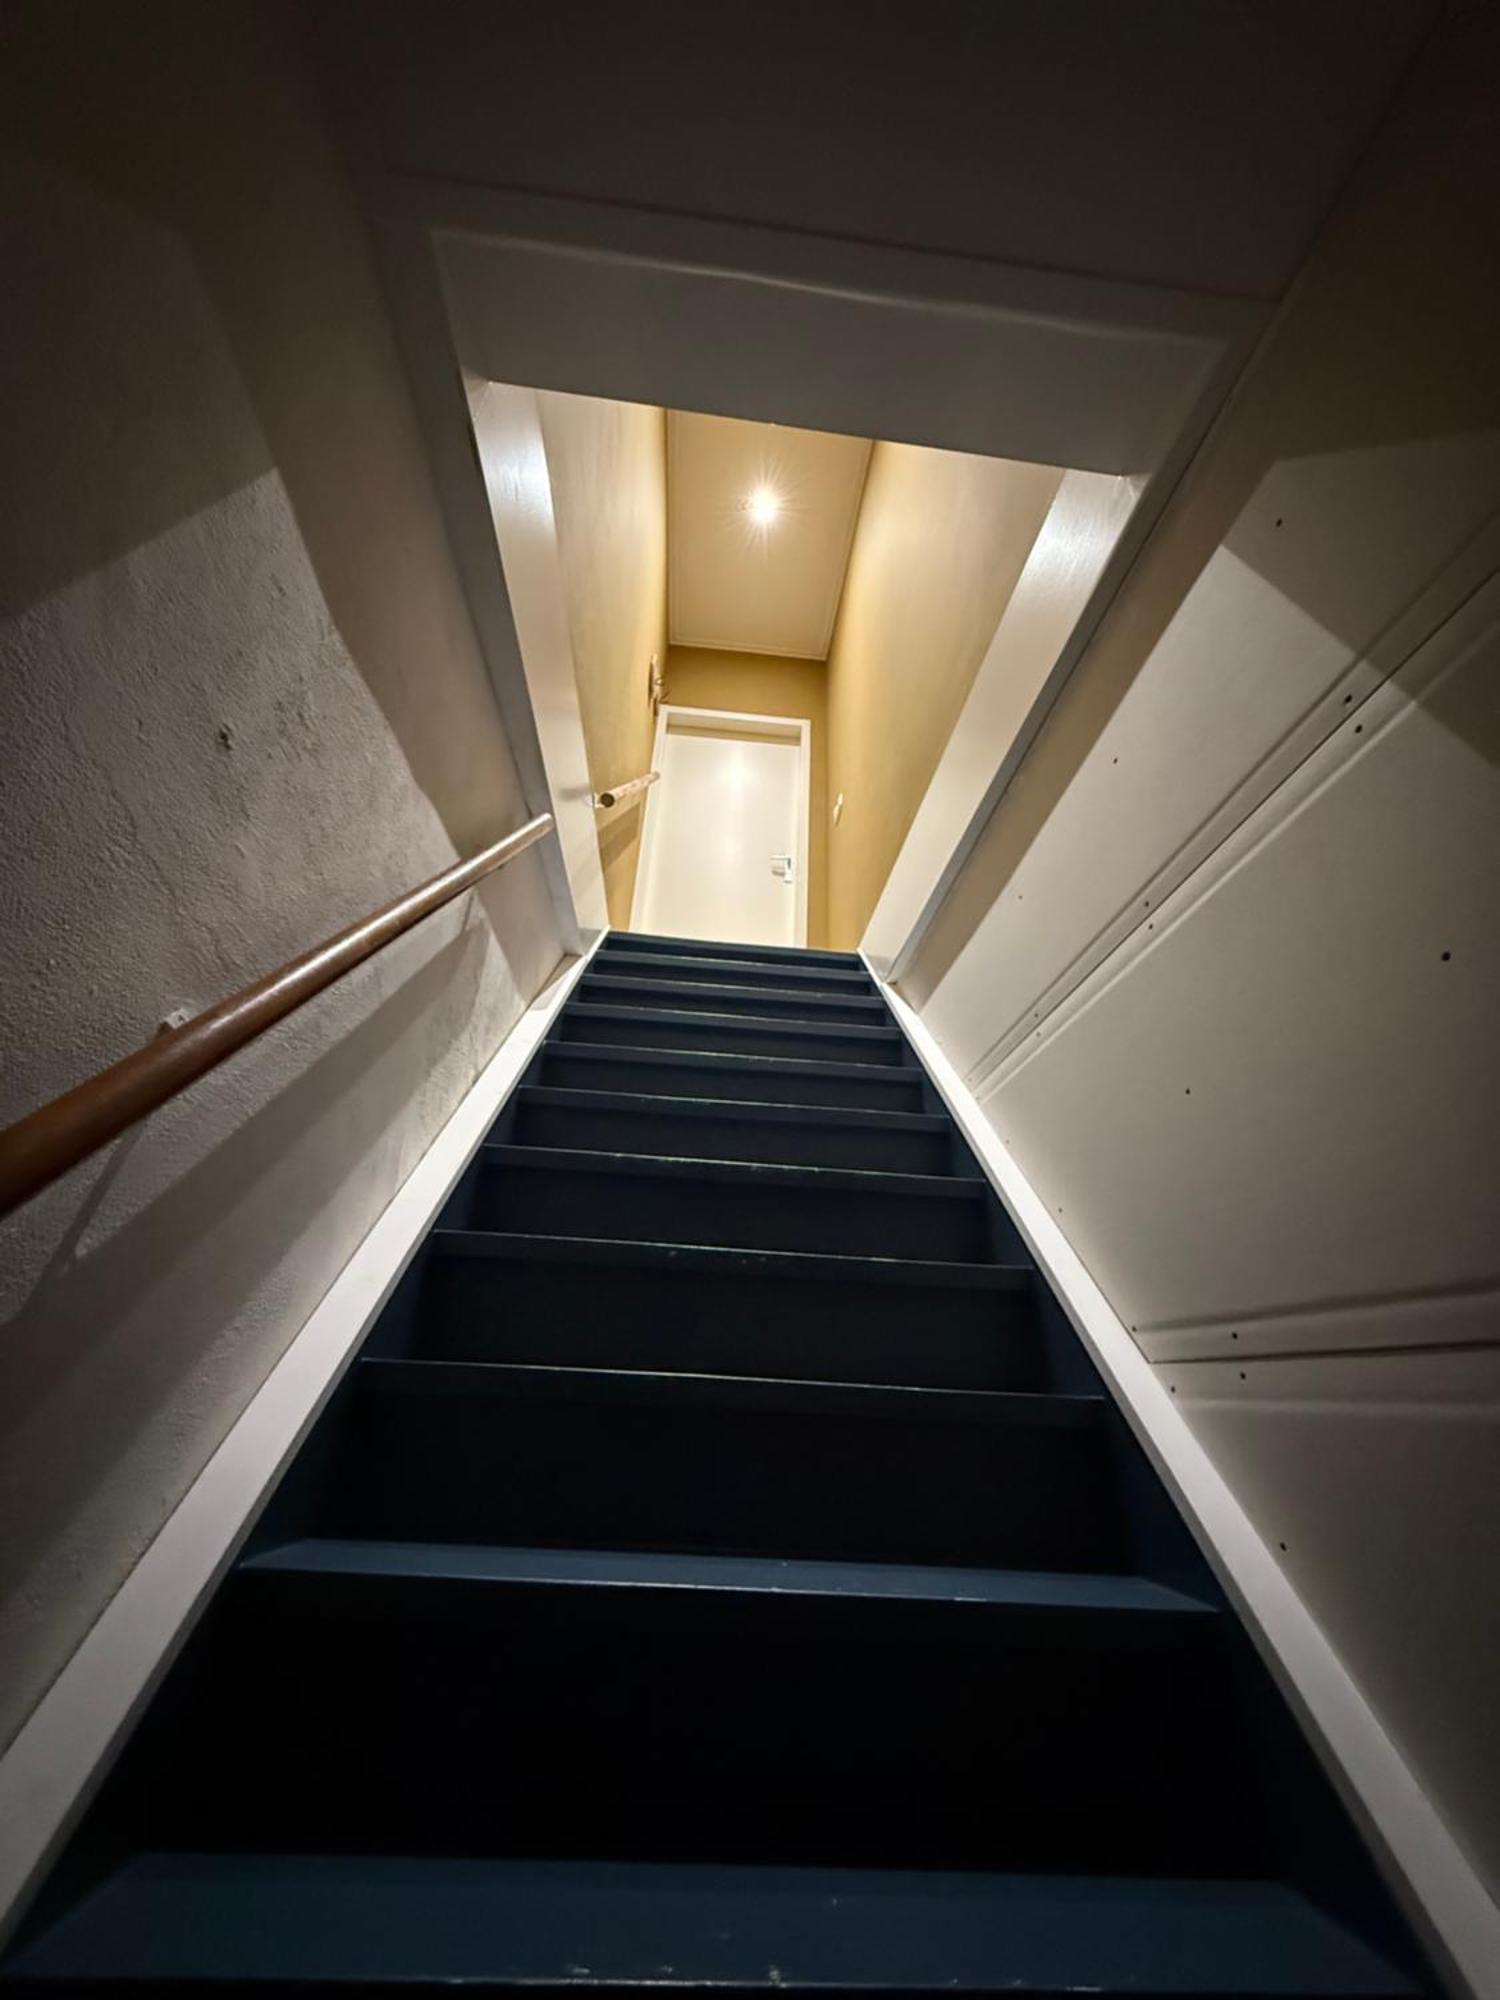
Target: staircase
(722,1569)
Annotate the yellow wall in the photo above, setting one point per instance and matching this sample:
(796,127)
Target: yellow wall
(941,540)
(607,465)
(759,684)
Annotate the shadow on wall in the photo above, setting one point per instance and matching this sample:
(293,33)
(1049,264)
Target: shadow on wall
(242,704)
(1221,972)
(619,852)
(202,308)
(1370,419)
(108,1351)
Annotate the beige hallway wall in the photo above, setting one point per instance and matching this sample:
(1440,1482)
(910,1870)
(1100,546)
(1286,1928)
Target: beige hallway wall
(760,684)
(941,540)
(607,465)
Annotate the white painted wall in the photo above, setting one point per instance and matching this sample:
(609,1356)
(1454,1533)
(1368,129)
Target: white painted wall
(513,458)
(1195,968)
(828,335)
(240,702)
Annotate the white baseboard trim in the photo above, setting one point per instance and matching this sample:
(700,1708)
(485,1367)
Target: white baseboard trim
(1442,1894)
(54,1765)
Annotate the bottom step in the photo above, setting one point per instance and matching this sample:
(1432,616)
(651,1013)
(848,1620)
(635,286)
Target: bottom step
(172,1920)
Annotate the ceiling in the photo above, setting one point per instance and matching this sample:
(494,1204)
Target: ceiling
(1032,232)
(1195,146)
(748,586)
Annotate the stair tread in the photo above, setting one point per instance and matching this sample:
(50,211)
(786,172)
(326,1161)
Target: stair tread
(742,1075)
(794,954)
(1004,1408)
(698,990)
(586,1010)
(736,1110)
(914,1271)
(745,1173)
(728,1059)
(344,1918)
(467,1562)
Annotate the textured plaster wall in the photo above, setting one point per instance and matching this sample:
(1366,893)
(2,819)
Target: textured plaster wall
(762,684)
(941,539)
(607,465)
(240,703)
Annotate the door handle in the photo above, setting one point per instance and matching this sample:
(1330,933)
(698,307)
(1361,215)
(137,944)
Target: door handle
(784,867)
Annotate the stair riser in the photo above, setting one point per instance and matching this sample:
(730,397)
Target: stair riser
(451,1469)
(726,1037)
(585,1315)
(834,985)
(563,1067)
(644,1723)
(782,1142)
(738,1215)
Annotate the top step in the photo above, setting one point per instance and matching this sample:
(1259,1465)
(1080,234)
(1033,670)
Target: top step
(765,954)
(783,976)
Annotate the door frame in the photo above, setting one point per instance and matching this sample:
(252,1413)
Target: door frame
(790,728)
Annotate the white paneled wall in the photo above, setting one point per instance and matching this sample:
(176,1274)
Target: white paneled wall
(1266,1117)
(1373,1475)
(512,452)
(1223,971)
(1294,1061)
(1327,578)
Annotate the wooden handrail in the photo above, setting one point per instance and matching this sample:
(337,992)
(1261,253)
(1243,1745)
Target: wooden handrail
(604,800)
(43,1146)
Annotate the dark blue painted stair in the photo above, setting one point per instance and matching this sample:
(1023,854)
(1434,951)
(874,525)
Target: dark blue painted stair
(477,1295)
(746,1076)
(722,1569)
(785,976)
(807,1003)
(727,1031)
(605,1121)
(420,1925)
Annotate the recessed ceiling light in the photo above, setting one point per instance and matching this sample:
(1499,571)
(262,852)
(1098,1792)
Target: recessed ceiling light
(763,506)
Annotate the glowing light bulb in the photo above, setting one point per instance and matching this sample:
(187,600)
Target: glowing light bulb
(763,506)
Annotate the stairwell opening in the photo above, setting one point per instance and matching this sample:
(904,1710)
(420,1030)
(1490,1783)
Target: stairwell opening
(684,584)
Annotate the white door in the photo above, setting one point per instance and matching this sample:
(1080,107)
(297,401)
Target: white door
(723,851)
